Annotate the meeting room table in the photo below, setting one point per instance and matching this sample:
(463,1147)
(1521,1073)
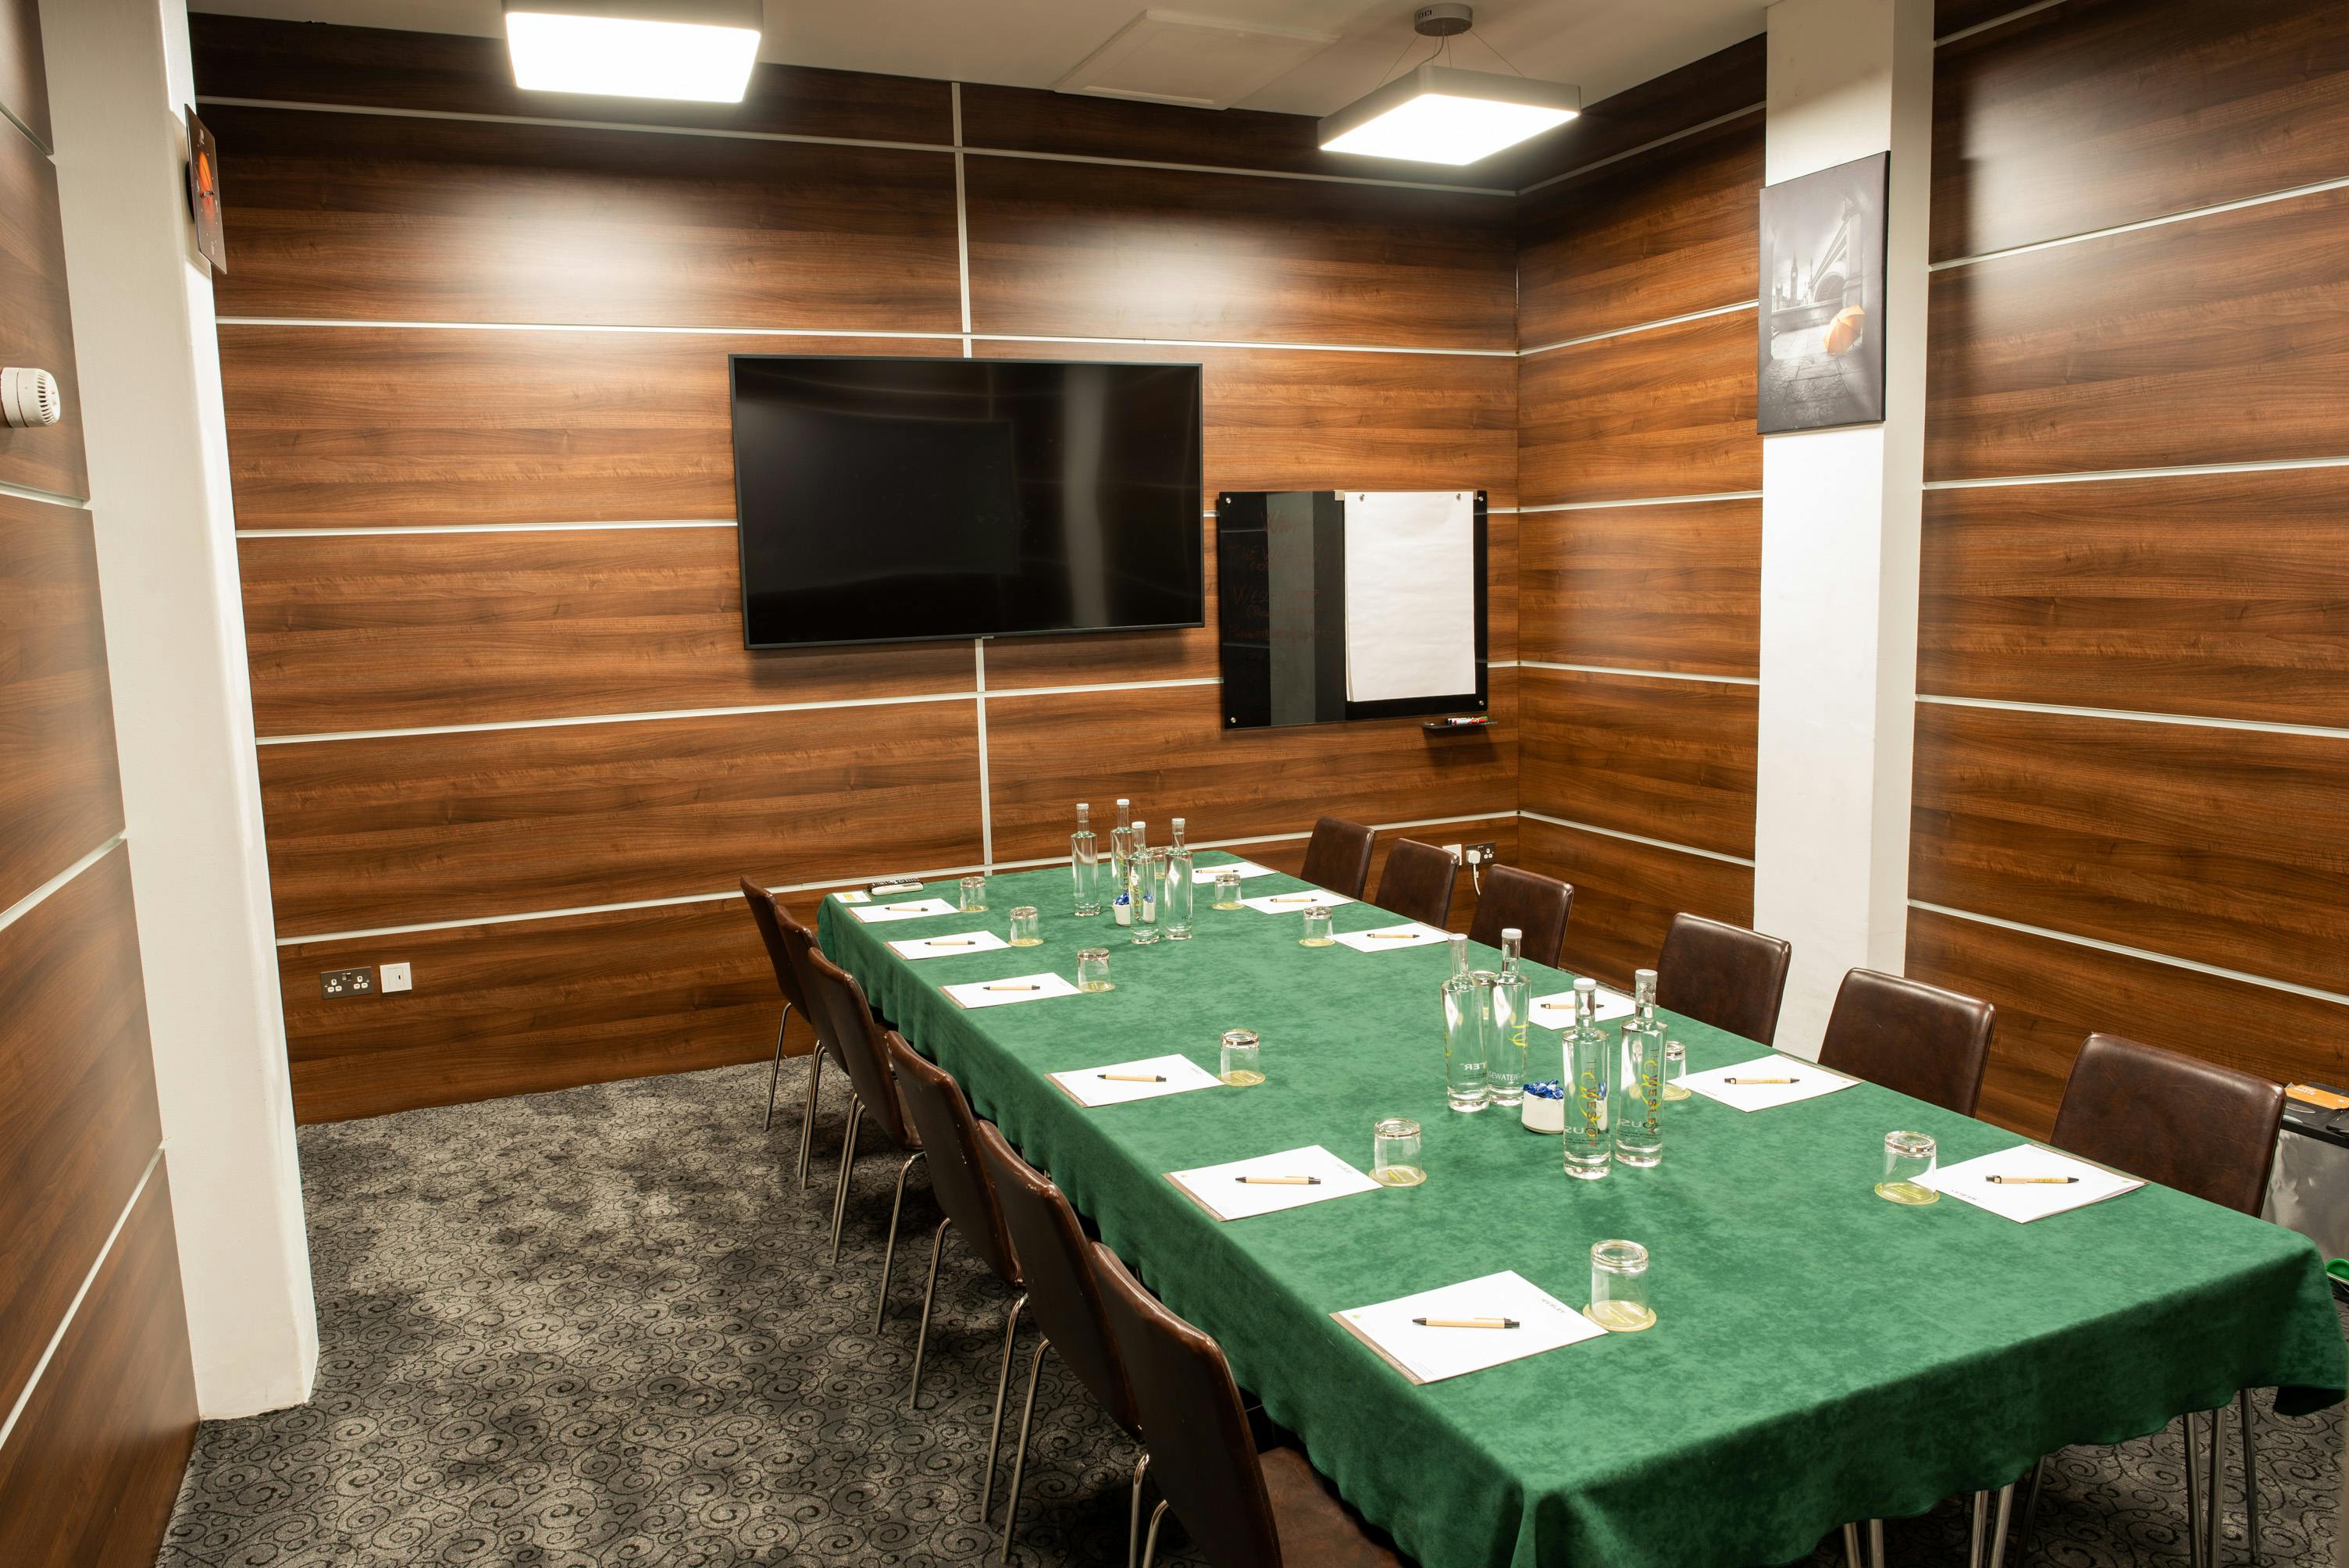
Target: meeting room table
(1819,1355)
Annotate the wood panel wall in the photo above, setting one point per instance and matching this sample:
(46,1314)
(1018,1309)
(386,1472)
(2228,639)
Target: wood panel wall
(2133,733)
(88,1266)
(1640,537)
(450,345)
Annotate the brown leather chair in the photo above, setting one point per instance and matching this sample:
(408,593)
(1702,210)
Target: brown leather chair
(1065,1300)
(960,1179)
(863,1045)
(1537,906)
(1338,858)
(1418,881)
(2186,1123)
(1242,1509)
(787,945)
(1722,975)
(1914,1038)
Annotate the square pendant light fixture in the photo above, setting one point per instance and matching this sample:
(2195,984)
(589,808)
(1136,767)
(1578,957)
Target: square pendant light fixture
(697,49)
(1445,114)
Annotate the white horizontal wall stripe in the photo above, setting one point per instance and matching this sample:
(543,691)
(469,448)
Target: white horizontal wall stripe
(74,1307)
(998,693)
(2147,953)
(1995,22)
(729,135)
(2182,471)
(1235,343)
(27,492)
(1642,674)
(24,905)
(2200,721)
(1642,327)
(1636,837)
(1645,146)
(615,719)
(1644,501)
(2295,192)
(477,528)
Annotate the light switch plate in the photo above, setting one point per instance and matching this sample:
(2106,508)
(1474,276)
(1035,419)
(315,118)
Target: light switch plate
(398,977)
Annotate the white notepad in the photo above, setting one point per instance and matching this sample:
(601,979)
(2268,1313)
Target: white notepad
(1811,1080)
(853,895)
(1387,938)
(1431,1355)
(1555,1011)
(1003,993)
(948,946)
(1244,869)
(1220,1191)
(1087,1087)
(1295,903)
(1966,1181)
(916,909)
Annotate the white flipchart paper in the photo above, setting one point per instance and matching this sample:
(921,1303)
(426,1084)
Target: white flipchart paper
(1410,593)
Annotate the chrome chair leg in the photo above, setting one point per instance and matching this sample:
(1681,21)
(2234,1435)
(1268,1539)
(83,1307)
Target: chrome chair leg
(2218,1419)
(889,1250)
(777,1075)
(2030,1507)
(1150,1546)
(1133,1513)
(1851,1556)
(807,1119)
(840,1186)
(1876,1543)
(2188,1444)
(1020,1451)
(922,1334)
(1998,1530)
(1002,1387)
(2250,1476)
(1981,1519)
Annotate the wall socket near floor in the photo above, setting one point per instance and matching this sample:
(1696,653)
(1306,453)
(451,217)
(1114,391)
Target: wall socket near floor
(1479,854)
(334,982)
(1454,850)
(398,977)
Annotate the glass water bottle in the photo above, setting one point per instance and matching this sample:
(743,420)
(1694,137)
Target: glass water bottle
(1174,914)
(1639,1117)
(1084,862)
(1505,1064)
(1590,1062)
(1149,891)
(1468,1018)
(1121,849)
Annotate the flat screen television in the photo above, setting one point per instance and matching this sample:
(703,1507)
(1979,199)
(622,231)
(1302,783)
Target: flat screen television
(900,500)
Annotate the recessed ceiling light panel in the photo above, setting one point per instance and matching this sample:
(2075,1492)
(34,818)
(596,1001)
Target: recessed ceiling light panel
(1442,114)
(697,49)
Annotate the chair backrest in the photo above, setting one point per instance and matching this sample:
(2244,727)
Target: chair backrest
(1722,975)
(1201,1454)
(1418,881)
(1338,858)
(2173,1118)
(958,1177)
(1056,1267)
(770,916)
(857,1038)
(1926,1043)
(1538,906)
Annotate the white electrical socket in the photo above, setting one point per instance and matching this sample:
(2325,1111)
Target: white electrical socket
(1454,850)
(398,977)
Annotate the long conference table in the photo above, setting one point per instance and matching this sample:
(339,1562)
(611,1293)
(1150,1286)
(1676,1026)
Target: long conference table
(1820,1355)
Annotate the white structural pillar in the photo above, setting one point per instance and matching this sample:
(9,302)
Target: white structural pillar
(1848,78)
(120,81)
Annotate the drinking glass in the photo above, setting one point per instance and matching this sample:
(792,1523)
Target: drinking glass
(974,896)
(1675,1070)
(1243,1058)
(1317,928)
(1619,1287)
(1227,889)
(1394,1152)
(1908,1161)
(1092,969)
(1026,929)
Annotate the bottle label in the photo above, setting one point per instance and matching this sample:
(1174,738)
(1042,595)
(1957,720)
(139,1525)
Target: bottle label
(1125,910)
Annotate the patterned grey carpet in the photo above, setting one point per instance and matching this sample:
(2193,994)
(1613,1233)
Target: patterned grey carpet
(596,1327)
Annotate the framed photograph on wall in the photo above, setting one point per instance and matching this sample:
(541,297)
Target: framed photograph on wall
(1822,315)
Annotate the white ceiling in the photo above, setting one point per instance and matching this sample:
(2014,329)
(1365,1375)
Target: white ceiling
(1601,46)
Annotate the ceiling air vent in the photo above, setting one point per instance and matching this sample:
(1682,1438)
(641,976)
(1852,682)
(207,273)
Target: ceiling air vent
(1204,62)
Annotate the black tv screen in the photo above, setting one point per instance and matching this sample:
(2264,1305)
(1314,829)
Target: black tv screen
(896,500)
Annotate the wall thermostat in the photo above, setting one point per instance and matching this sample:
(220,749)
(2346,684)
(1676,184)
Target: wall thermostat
(29,397)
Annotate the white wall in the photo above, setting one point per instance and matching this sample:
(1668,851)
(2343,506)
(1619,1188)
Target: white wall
(1840,535)
(149,365)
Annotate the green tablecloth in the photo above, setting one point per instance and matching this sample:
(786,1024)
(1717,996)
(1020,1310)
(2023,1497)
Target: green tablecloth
(1821,1354)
